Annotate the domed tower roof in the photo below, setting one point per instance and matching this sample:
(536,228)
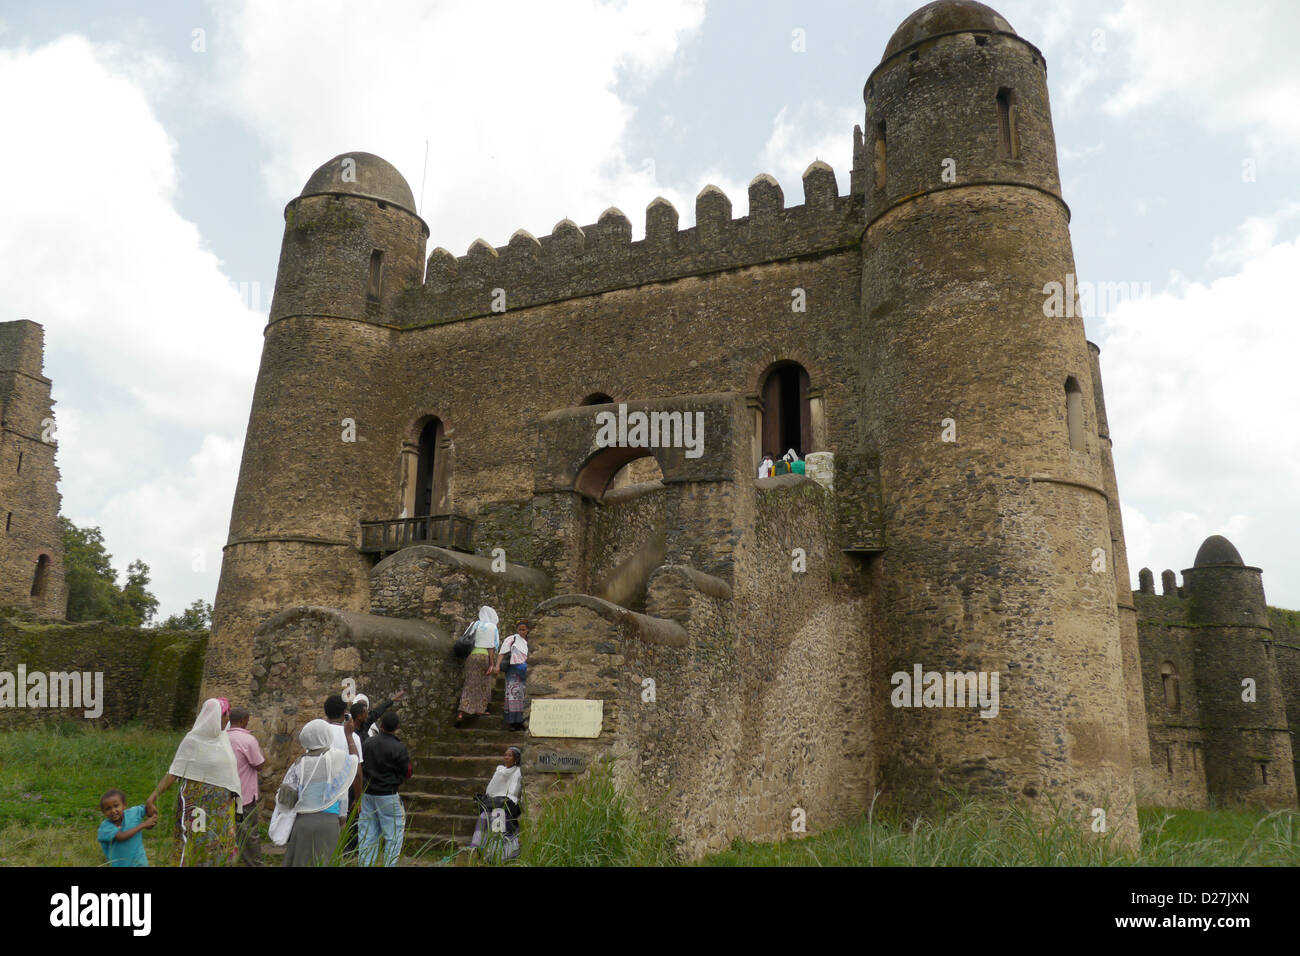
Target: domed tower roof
(945,16)
(1217,550)
(367,175)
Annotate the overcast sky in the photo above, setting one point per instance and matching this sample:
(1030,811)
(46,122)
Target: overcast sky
(149,149)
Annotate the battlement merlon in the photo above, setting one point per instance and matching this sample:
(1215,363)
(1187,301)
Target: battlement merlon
(578,261)
(22,347)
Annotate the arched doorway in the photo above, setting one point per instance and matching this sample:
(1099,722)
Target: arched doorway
(787,414)
(430,472)
(616,467)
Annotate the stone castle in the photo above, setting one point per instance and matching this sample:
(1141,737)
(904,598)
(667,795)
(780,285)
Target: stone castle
(425,437)
(31,552)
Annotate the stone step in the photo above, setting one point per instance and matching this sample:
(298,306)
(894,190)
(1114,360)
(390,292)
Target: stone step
(474,765)
(433,843)
(447,786)
(466,746)
(454,804)
(455,826)
(489,728)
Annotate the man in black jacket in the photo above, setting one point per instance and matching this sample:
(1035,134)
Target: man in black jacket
(387,766)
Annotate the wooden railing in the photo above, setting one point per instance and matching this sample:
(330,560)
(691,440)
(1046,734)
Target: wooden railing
(394,534)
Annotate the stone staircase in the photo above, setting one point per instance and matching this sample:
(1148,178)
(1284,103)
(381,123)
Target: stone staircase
(439,798)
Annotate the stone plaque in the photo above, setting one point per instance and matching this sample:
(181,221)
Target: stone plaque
(551,761)
(566,718)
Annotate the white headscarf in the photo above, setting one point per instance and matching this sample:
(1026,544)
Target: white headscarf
(790,455)
(205,754)
(324,774)
(487,615)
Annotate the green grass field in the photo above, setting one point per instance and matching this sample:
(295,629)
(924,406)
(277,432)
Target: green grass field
(51,780)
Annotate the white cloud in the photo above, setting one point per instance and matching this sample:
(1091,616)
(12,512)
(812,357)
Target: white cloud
(1200,392)
(519,102)
(1233,67)
(150,348)
(800,135)
(1252,238)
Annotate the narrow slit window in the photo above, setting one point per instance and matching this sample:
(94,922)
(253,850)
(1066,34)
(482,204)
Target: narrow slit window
(1169,759)
(20,463)
(1263,771)
(880,155)
(42,570)
(9,520)
(1169,683)
(1008,136)
(1074,414)
(374,284)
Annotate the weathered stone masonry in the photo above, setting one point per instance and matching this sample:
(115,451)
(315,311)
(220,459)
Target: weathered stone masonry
(473,383)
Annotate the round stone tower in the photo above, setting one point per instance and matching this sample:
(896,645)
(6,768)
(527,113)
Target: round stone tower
(316,455)
(1248,756)
(999,555)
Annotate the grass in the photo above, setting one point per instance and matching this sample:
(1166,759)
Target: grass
(591,824)
(980,834)
(51,779)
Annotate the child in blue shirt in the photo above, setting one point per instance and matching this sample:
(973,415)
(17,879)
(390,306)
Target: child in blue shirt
(121,834)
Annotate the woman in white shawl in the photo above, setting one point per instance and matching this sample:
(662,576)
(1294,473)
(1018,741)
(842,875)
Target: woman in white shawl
(496,834)
(208,794)
(307,803)
(481,661)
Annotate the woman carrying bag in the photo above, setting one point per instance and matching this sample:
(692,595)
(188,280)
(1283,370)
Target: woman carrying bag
(307,803)
(513,662)
(479,665)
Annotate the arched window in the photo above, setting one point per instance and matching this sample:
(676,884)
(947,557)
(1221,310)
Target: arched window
(1008,137)
(375,283)
(430,475)
(880,155)
(42,571)
(1074,414)
(1169,681)
(787,414)
(596,398)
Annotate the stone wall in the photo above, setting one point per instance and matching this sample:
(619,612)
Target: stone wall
(1208,745)
(150,676)
(305,654)
(31,543)
(760,695)
(624,541)
(448,588)
(1175,725)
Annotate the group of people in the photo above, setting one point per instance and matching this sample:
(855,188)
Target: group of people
(790,464)
(216,768)
(488,657)
(352,756)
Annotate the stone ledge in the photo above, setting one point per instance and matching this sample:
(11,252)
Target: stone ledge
(513,574)
(364,628)
(651,630)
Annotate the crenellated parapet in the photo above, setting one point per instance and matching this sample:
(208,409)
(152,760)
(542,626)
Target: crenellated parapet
(579,261)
